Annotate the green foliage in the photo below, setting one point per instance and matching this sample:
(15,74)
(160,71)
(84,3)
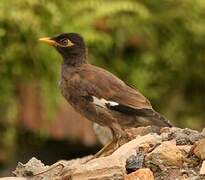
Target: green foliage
(156,45)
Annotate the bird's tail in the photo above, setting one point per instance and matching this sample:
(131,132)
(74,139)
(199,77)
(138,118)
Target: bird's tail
(159,119)
(154,118)
(145,116)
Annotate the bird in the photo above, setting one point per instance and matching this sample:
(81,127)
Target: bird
(99,95)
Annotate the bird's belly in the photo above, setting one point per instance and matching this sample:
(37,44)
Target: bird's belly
(96,114)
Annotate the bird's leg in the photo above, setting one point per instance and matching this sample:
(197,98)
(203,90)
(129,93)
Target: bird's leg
(106,148)
(119,135)
(109,148)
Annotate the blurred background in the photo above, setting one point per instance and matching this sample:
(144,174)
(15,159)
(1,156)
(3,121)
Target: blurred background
(156,46)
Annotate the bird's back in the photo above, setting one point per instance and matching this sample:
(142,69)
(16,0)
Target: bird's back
(94,83)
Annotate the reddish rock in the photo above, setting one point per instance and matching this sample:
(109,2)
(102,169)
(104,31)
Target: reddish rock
(140,174)
(199,149)
(142,130)
(13,178)
(100,168)
(185,148)
(202,170)
(128,149)
(165,155)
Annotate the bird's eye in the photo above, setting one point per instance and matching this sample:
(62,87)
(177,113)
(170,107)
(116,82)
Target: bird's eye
(64,42)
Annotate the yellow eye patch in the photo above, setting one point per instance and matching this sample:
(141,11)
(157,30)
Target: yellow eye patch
(65,43)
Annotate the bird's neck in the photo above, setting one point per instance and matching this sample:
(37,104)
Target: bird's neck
(75,59)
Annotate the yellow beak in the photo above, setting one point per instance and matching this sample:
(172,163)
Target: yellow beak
(48,41)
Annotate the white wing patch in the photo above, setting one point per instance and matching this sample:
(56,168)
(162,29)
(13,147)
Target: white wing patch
(103,103)
(113,103)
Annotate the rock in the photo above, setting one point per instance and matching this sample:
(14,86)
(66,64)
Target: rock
(185,148)
(35,169)
(33,166)
(182,136)
(128,149)
(164,156)
(142,131)
(101,168)
(202,170)
(141,174)
(203,132)
(113,165)
(13,178)
(110,166)
(135,162)
(171,155)
(199,149)
(176,174)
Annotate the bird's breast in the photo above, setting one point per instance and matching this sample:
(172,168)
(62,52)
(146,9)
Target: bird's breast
(64,88)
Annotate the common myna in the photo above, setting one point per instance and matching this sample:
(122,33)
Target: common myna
(97,94)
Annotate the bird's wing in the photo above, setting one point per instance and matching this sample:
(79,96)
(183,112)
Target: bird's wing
(103,89)
(108,88)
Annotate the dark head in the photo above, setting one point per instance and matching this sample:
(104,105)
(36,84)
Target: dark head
(70,45)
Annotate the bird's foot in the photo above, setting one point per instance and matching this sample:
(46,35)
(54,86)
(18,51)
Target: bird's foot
(106,150)
(109,148)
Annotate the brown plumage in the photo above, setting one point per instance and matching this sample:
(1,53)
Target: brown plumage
(97,94)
